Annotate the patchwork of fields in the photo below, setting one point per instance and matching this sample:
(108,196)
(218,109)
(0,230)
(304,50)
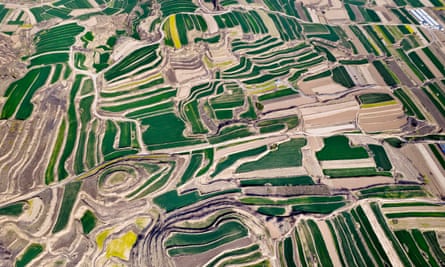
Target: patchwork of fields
(222,133)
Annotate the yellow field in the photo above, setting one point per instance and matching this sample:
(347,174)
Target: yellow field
(381,104)
(100,238)
(121,247)
(174,31)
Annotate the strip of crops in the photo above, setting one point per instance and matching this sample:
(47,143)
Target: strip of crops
(20,93)
(413,252)
(415,214)
(69,199)
(389,78)
(287,154)
(12,209)
(421,65)
(378,214)
(279,181)
(231,159)
(410,108)
(31,252)
(193,243)
(171,200)
(233,253)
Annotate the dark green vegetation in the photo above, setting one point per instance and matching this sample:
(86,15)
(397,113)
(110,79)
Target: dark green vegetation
(408,104)
(387,75)
(437,154)
(88,221)
(355,172)
(171,200)
(374,98)
(393,191)
(231,159)
(194,243)
(427,214)
(337,148)
(341,76)
(12,210)
(69,199)
(394,142)
(397,246)
(284,155)
(31,252)
(278,181)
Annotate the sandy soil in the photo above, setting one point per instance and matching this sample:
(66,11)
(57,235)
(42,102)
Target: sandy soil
(387,246)
(402,161)
(357,182)
(329,130)
(330,244)
(211,23)
(336,15)
(382,118)
(322,86)
(346,164)
(311,164)
(273,229)
(332,119)
(286,103)
(376,75)
(200,259)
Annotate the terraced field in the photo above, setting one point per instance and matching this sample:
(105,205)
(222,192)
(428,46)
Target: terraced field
(221,133)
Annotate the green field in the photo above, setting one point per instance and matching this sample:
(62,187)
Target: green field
(12,210)
(68,201)
(284,155)
(31,252)
(88,221)
(381,159)
(338,148)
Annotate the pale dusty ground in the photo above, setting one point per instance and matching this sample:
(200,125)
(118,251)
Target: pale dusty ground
(321,86)
(315,143)
(269,23)
(211,23)
(78,12)
(273,229)
(387,246)
(424,224)
(376,75)
(357,182)
(292,101)
(332,119)
(331,129)
(281,113)
(197,259)
(311,164)
(346,164)
(402,162)
(330,244)
(186,75)
(333,15)
(220,153)
(382,118)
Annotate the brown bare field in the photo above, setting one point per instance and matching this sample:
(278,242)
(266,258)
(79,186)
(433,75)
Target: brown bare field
(199,259)
(357,182)
(382,119)
(346,164)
